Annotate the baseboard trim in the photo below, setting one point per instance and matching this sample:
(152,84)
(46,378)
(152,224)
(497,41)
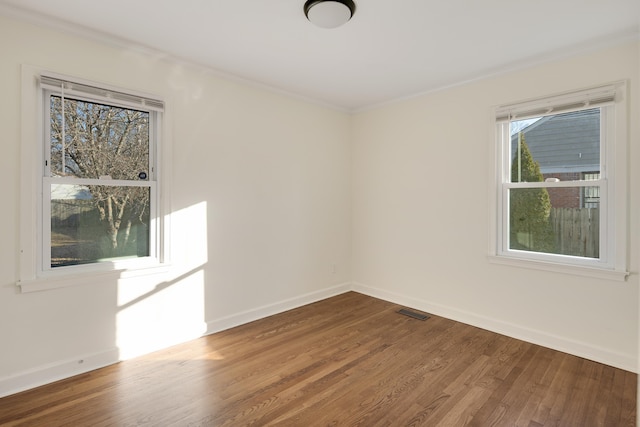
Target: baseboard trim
(78,365)
(67,368)
(241,318)
(57,371)
(566,345)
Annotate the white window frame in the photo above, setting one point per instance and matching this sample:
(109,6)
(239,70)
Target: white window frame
(612,261)
(35,274)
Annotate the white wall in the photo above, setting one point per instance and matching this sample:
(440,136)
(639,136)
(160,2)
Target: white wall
(260,213)
(421,215)
(638,367)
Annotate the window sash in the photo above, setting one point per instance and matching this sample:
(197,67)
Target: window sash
(154,225)
(505,234)
(154,119)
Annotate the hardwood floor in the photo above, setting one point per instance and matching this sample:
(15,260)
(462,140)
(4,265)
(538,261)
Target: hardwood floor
(350,360)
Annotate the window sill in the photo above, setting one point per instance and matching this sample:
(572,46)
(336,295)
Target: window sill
(57,281)
(577,270)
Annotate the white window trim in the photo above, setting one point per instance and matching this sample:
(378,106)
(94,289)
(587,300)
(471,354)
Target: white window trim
(613,186)
(31,276)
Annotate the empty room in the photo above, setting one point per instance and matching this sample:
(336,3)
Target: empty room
(321,212)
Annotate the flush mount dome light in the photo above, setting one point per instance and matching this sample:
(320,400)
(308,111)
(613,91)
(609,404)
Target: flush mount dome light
(329,13)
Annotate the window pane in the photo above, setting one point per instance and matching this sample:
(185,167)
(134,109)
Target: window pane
(590,195)
(537,224)
(97,223)
(560,147)
(98,140)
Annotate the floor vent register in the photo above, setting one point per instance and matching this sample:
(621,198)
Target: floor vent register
(414,314)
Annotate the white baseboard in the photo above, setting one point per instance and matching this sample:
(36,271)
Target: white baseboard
(85,363)
(57,371)
(566,345)
(241,318)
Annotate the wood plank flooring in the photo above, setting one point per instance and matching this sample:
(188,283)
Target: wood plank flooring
(350,360)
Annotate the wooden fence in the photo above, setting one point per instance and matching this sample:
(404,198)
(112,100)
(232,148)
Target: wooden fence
(577,231)
(71,213)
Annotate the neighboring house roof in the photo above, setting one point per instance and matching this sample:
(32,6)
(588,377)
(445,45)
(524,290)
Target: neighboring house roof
(70,192)
(568,142)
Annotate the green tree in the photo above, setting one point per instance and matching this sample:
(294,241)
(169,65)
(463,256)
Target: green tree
(529,208)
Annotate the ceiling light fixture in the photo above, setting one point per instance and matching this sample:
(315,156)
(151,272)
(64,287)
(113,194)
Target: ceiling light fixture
(329,13)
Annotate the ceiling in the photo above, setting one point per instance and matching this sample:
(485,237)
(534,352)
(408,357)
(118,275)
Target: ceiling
(391,49)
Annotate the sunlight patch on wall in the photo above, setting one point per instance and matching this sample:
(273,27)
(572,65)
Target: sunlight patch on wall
(164,316)
(156,312)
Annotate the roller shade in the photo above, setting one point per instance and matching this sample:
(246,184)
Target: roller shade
(592,98)
(108,95)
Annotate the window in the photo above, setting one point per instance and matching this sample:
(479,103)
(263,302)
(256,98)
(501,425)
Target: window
(591,195)
(561,174)
(96,173)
